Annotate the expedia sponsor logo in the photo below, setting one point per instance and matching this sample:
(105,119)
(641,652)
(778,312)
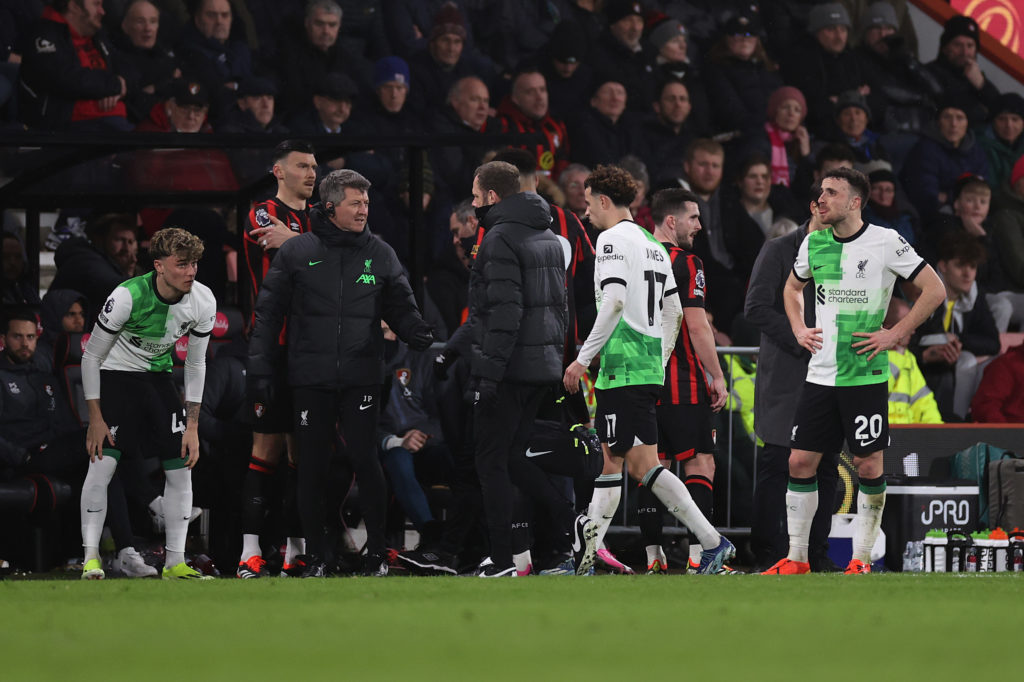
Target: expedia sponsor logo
(902,250)
(614,256)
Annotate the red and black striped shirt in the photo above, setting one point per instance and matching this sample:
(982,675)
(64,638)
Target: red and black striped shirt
(685,380)
(257,259)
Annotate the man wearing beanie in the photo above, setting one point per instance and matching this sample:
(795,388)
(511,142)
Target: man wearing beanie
(620,52)
(563,63)
(957,67)
(1003,140)
(314,51)
(824,65)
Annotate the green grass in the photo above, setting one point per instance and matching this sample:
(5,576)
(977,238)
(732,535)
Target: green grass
(834,627)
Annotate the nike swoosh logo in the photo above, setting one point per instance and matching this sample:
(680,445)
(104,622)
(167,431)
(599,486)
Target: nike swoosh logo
(365,407)
(577,545)
(532,453)
(315,262)
(867,442)
(94,511)
(816,267)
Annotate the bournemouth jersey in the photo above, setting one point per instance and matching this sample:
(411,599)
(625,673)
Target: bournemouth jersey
(853,281)
(147,326)
(257,259)
(685,380)
(628,254)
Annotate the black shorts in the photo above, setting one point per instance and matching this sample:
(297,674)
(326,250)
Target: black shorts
(144,413)
(684,431)
(825,415)
(626,416)
(275,415)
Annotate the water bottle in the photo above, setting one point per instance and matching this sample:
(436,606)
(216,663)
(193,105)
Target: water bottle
(934,544)
(1018,559)
(983,550)
(1000,545)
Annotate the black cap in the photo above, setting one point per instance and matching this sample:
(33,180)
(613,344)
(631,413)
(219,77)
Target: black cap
(1009,103)
(958,25)
(336,86)
(614,10)
(568,43)
(742,24)
(255,85)
(189,93)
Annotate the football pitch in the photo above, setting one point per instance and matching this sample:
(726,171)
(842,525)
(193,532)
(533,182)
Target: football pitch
(834,627)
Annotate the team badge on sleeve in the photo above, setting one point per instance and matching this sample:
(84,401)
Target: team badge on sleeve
(262,217)
(259,410)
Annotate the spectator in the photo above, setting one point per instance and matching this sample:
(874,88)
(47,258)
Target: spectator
(313,52)
(604,132)
(1008,235)
(55,90)
(362,33)
(946,151)
(953,345)
(829,157)
(667,133)
(741,77)
(448,279)
(785,142)
(331,107)
(62,311)
(211,56)
(672,62)
(825,66)
(1003,138)
(639,208)
(1000,395)
(184,111)
(437,67)
(156,65)
(957,69)
(910,399)
(522,29)
(886,208)
(619,54)
(98,262)
(254,110)
(42,436)
(408,23)
(852,118)
(16,287)
(571,181)
(465,113)
(566,71)
(764,202)
(16,19)
(902,90)
(526,110)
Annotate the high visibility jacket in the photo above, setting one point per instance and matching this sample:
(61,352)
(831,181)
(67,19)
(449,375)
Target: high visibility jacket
(910,399)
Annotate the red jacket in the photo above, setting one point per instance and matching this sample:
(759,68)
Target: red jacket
(1000,397)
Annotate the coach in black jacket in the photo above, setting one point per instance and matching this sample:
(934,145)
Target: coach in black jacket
(517,312)
(335,284)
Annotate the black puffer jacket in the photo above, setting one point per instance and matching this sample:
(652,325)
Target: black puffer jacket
(335,287)
(517,299)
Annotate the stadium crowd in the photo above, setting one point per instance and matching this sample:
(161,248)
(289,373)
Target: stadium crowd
(747,106)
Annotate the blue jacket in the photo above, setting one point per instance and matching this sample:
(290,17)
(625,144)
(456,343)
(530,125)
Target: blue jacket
(933,166)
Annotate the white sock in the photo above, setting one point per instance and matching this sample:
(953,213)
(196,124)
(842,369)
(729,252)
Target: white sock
(250,546)
(867,523)
(523,562)
(695,549)
(177,511)
(800,508)
(654,552)
(94,504)
(676,498)
(294,548)
(604,502)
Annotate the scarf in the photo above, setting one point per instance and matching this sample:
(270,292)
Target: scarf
(780,160)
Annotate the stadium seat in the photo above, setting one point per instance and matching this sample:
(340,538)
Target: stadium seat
(67,365)
(227,327)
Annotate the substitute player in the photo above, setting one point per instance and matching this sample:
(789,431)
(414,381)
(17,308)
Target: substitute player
(854,266)
(133,402)
(635,331)
(271,224)
(685,431)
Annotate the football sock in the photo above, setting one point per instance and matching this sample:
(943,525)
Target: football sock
(702,491)
(801,503)
(523,562)
(604,503)
(177,511)
(292,519)
(294,548)
(255,495)
(870,503)
(673,494)
(94,501)
(653,552)
(250,546)
(650,514)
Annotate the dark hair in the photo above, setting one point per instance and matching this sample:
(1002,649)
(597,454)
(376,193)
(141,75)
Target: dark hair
(524,70)
(286,147)
(750,162)
(499,177)
(960,246)
(615,183)
(524,161)
(668,202)
(17,313)
(859,184)
(834,152)
(98,229)
(664,83)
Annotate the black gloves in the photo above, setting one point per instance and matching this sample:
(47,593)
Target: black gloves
(486,394)
(259,393)
(587,438)
(421,339)
(443,361)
